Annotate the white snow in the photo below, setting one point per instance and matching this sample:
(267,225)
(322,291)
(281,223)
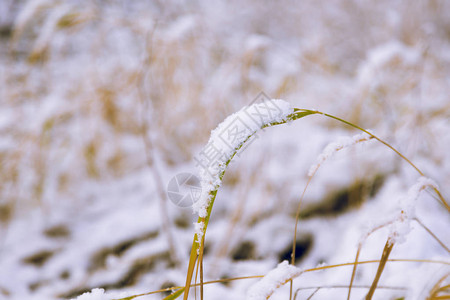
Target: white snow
(28,12)
(398,217)
(181,28)
(95,294)
(264,288)
(199,231)
(228,137)
(408,203)
(384,54)
(330,149)
(401,226)
(49,27)
(72,152)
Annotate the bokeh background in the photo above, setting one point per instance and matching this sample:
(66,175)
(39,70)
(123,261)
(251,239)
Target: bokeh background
(103,102)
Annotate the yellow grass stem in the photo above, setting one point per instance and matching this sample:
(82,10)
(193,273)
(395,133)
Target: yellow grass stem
(384,258)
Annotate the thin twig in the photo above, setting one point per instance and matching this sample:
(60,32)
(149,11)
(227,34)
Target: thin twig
(354,270)
(316,290)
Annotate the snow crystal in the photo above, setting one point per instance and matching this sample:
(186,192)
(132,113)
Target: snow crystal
(336,146)
(399,229)
(228,137)
(399,222)
(402,225)
(199,229)
(408,203)
(264,288)
(95,294)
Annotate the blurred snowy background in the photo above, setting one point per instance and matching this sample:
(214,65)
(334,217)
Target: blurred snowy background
(103,102)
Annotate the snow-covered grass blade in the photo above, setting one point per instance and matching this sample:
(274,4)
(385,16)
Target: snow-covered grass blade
(212,175)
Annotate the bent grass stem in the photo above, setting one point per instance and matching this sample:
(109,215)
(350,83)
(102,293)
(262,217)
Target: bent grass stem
(198,246)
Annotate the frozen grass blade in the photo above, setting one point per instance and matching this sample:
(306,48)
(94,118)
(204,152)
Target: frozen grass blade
(376,229)
(384,258)
(177,288)
(329,151)
(358,252)
(199,238)
(198,243)
(197,249)
(444,202)
(312,173)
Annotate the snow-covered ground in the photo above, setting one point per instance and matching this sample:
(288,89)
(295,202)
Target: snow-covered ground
(102,103)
